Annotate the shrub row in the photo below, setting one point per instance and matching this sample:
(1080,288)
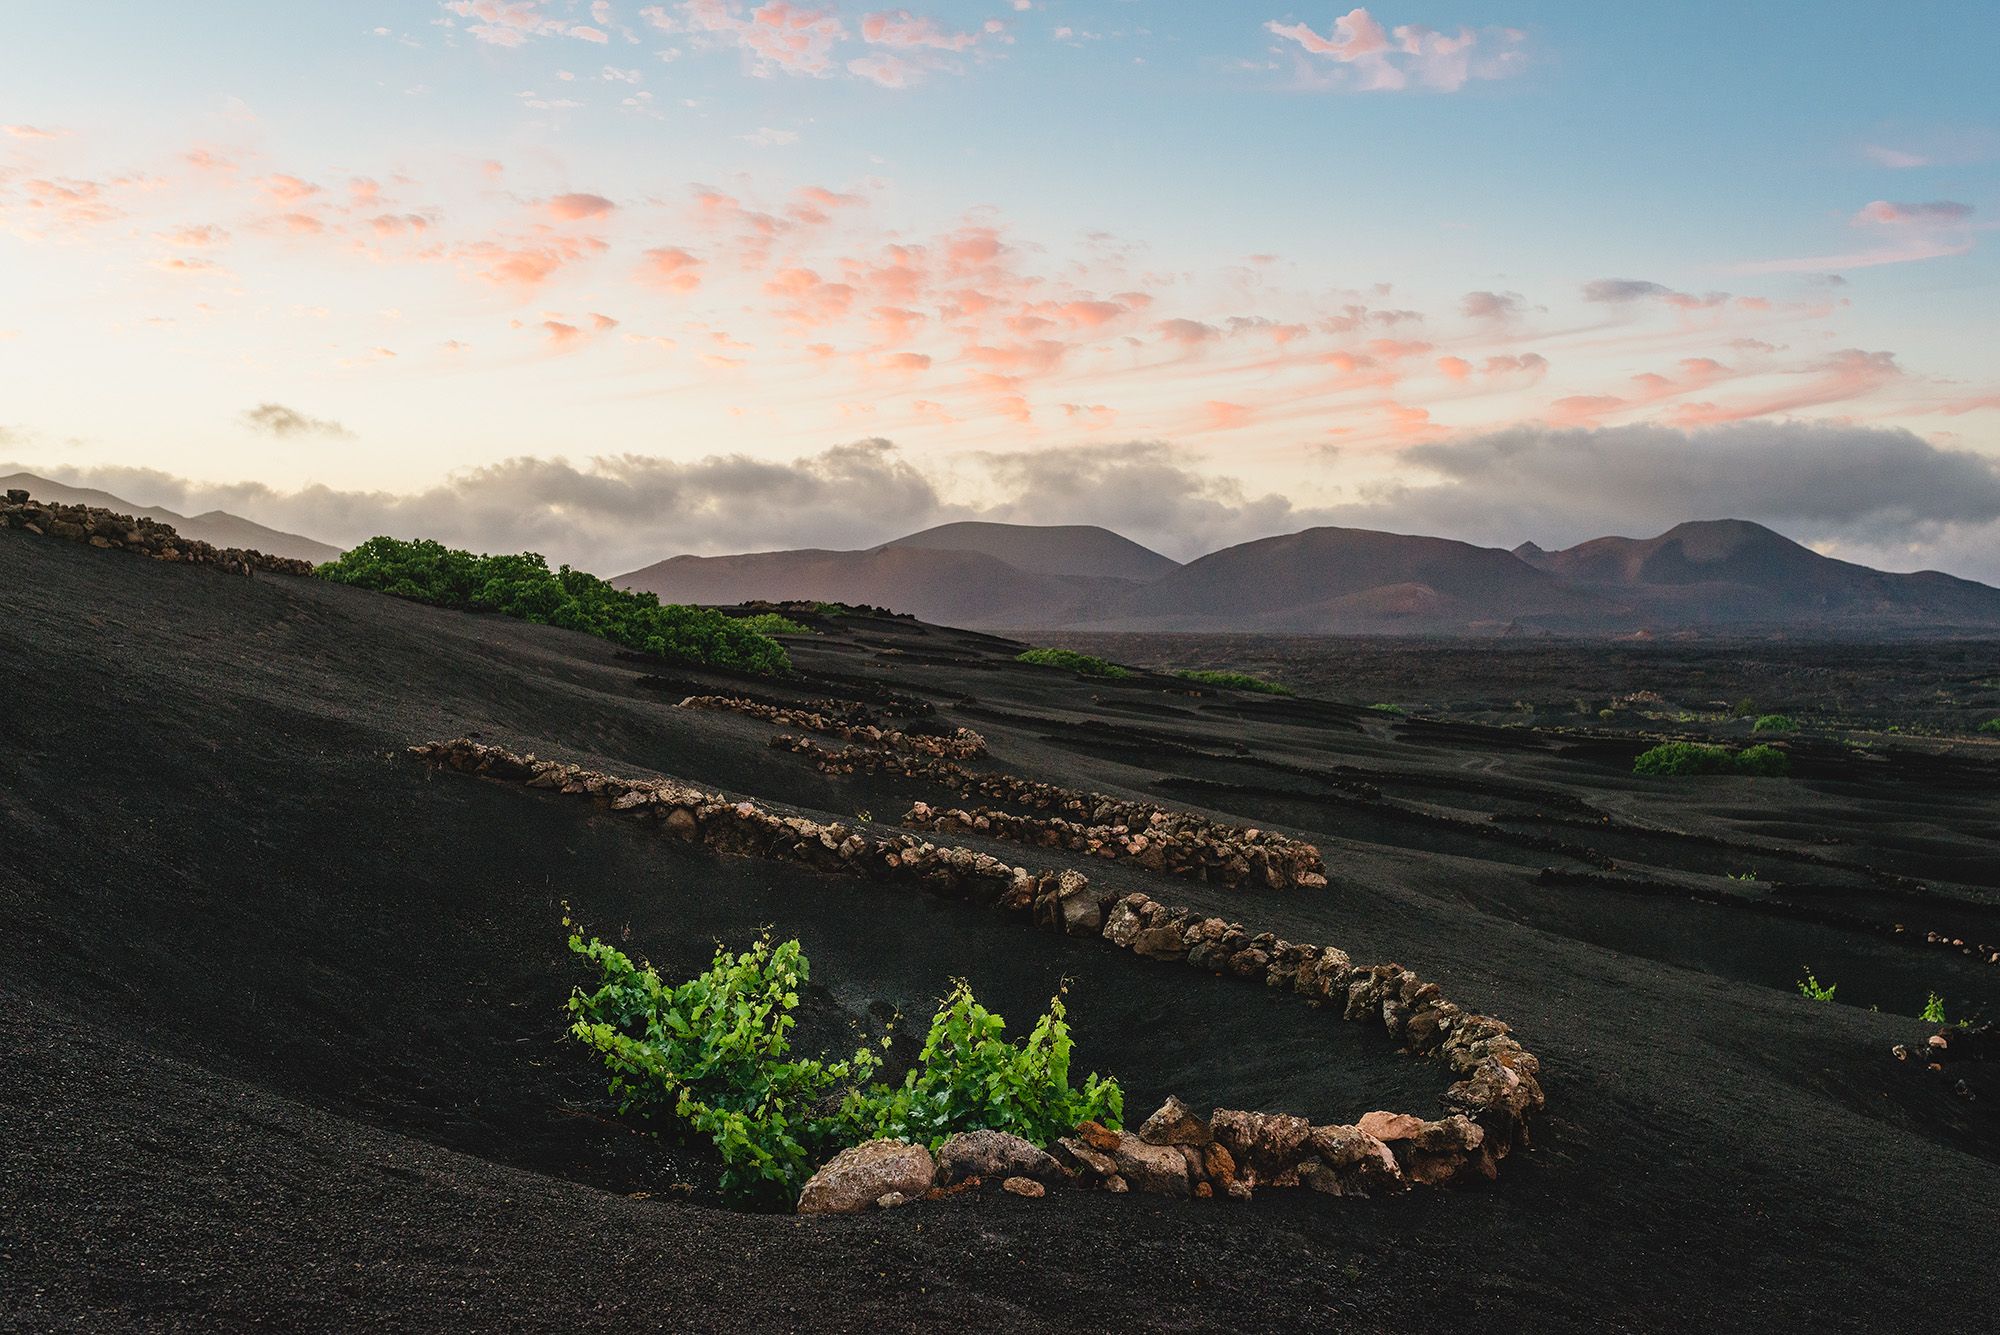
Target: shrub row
(523,586)
(1075,662)
(1685,758)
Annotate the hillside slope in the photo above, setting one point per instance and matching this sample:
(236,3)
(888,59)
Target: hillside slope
(217,527)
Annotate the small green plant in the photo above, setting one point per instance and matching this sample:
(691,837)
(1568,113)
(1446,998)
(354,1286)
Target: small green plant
(1810,989)
(831,609)
(713,1056)
(1075,662)
(1607,714)
(771,623)
(1775,723)
(1743,875)
(1384,707)
(1237,681)
(1744,708)
(1933,1011)
(1680,759)
(1991,725)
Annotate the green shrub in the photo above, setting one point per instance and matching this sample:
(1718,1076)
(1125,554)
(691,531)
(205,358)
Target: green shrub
(1075,662)
(969,1077)
(523,586)
(1686,758)
(1933,1011)
(1386,708)
(1810,989)
(1991,725)
(712,1054)
(1775,723)
(1236,681)
(1764,761)
(771,623)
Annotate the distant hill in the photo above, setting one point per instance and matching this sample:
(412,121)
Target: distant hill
(947,587)
(1721,575)
(1351,580)
(1734,572)
(218,527)
(1051,549)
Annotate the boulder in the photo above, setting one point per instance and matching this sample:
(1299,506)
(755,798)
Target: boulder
(857,1178)
(1174,1124)
(1163,942)
(1348,1161)
(994,1154)
(1157,1170)
(1269,1143)
(1082,1159)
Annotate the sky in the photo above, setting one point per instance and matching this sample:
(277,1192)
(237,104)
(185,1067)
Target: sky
(614,281)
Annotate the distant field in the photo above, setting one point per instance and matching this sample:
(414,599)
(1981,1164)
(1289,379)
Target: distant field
(1949,686)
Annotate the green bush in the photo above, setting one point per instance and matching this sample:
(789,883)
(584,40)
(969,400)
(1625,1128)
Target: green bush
(1775,723)
(1685,758)
(523,586)
(712,1053)
(969,1077)
(1933,1011)
(1237,681)
(771,623)
(1075,662)
(1386,708)
(1991,725)
(1810,989)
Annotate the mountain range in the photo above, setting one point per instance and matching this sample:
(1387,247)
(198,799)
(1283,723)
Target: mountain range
(1726,575)
(1719,576)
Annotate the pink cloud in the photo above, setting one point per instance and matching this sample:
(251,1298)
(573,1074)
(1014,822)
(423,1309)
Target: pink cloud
(899,27)
(1221,415)
(672,268)
(32,132)
(1929,214)
(1454,368)
(282,189)
(1188,333)
(572,207)
(1373,60)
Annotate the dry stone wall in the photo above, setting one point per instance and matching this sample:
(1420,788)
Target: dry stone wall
(1177,843)
(1488,1107)
(960,744)
(147,537)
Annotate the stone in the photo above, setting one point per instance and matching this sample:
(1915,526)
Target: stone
(681,822)
(1174,1124)
(1081,1159)
(889,1200)
(1024,1186)
(1078,907)
(1267,1142)
(1163,942)
(1218,1165)
(856,1178)
(1352,1163)
(1387,1126)
(1122,928)
(1099,1137)
(994,1154)
(1117,1185)
(1156,1170)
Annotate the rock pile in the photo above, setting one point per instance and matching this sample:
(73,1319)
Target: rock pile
(1175,1153)
(1176,842)
(147,537)
(961,744)
(1185,846)
(1498,1088)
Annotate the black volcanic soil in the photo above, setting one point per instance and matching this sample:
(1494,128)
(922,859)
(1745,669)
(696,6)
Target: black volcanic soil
(280,1012)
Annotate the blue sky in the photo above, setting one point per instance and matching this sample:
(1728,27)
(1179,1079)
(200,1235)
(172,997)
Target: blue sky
(1287,263)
